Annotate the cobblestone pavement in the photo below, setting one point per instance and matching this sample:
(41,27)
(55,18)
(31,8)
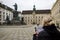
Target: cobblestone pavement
(15,26)
(16,33)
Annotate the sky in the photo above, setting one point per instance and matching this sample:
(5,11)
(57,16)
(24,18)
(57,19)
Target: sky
(28,4)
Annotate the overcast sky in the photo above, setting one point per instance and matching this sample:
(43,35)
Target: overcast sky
(28,4)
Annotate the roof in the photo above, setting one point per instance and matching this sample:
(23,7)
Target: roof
(27,12)
(5,7)
(43,11)
(37,11)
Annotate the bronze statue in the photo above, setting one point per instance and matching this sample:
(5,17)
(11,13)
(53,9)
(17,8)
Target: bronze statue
(15,6)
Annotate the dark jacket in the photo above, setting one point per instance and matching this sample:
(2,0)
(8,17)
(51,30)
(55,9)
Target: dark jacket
(43,35)
(35,37)
(49,33)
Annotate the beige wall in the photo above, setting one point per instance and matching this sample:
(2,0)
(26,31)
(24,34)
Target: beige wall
(55,12)
(28,18)
(38,19)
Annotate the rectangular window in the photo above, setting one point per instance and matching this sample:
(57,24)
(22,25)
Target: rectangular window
(0,19)
(3,15)
(0,11)
(59,10)
(28,17)
(6,13)
(0,16)
(39,20)
(39,16)
(0,23)
(28,20)
(3,12)
(25,17)
(31,20)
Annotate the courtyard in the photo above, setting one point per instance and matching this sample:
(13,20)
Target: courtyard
(24,32)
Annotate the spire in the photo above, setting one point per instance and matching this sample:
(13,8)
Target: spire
(34,9)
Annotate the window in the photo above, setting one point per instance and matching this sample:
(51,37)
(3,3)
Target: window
(28,20)
(42,17)
(3,15)
(9,14)
(36,20)
(0,11)
(0,22)
(39,16)
(0,19)
(59,10)
(6,13)
(31,20)
(36,16)
(59,7)
(39,20)
(3,12)
(0,16)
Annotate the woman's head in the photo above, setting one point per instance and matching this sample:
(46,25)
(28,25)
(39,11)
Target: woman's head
(47,21)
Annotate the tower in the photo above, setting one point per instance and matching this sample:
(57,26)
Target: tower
(34,11)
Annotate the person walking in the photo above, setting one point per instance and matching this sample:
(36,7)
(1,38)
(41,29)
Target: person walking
(38,29)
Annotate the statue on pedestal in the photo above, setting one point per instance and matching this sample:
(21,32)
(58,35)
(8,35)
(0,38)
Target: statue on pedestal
(15,6)
(15,13)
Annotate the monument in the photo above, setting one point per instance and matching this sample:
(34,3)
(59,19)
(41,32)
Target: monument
(15,15)
(16,19)
(15,6)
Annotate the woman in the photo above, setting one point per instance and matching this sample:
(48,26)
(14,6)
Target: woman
(50,31)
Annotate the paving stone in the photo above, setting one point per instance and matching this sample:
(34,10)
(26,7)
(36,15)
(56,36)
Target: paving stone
(16,33)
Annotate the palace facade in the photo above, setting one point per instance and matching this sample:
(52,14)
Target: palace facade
(35,16)
(55,12)
(32,16)
(4,12)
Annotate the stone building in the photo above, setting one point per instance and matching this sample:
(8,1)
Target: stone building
(55,12)
(35,16)
(4,12)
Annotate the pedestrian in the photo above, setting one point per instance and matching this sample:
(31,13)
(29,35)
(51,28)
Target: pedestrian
(50,31)
(53,32)
(38,29)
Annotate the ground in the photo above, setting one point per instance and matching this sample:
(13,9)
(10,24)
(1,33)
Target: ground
(16,32)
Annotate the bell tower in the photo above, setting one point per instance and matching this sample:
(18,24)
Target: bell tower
(34,9)
(34,12)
